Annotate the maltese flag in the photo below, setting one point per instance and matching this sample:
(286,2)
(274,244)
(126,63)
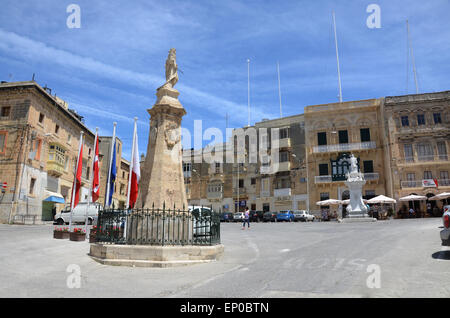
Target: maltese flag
(133,185)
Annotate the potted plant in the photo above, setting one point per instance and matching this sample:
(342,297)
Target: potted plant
(78,234)
(61,233)
(92,234)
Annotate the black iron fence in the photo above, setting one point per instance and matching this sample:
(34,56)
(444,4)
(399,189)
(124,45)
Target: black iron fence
(158,227)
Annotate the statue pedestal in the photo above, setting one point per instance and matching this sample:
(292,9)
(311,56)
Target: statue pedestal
(356,208)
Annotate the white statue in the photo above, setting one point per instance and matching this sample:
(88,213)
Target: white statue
(353,164)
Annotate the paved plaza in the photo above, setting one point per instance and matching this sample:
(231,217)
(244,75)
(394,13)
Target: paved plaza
(319,259)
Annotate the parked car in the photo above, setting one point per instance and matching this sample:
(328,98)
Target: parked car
(286,216)
(256,216)
(445,233)
(79,214)
(270,217)
(303,216)
(238,217)
(199,211)
(226,217)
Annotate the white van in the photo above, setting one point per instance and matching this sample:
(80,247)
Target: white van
(79,213)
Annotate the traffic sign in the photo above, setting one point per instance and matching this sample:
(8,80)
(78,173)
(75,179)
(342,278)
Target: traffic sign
(4,185)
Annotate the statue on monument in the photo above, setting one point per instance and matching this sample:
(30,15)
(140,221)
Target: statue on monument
(171,69)
(353,164)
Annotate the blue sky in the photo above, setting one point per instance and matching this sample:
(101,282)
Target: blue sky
(108,70)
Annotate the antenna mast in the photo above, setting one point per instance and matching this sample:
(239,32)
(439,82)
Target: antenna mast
(279,88)
(337,59)
(412,58)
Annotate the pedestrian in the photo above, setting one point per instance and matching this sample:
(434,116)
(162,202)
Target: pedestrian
(53,212)
(429,210)
(246,219)
(411,212)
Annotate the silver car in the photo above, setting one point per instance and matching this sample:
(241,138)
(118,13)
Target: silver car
(445,233)
(303,216)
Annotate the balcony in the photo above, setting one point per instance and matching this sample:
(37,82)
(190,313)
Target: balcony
(54,168)
(282,192)
(373,176)
(284,143)
(424,159)
(345,147)
(422,184)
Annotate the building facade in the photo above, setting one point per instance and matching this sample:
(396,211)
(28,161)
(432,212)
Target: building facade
(418,141)
(334,132)
(39,142)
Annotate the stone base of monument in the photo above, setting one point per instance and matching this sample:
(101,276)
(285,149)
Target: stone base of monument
(154,256)
(358,219)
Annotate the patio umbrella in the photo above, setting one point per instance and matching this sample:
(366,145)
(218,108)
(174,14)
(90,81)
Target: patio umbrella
(381,199)
(440,196)
(348,201)
(413,197)
(329,202)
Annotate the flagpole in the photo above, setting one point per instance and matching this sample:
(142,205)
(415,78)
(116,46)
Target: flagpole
(279,88)
(337,59)
(75,182)
(110,165)
(90,181)
(131,164)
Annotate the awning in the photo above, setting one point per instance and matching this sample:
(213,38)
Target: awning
(413,197)
(381,199)
(440,196)
(54,197)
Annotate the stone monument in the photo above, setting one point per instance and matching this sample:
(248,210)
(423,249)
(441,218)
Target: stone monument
(162,178)
(161,188)
(357,209)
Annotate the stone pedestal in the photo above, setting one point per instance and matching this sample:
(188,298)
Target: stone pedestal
(162,179)
(356,208)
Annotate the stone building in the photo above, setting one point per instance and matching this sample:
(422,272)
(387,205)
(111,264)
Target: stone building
(229,185)
(333,132)
(39,141)
(418,141)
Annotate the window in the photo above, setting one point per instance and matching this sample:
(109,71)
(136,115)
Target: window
(56,129)
(425,152)
(241,183)
(421,119)
(6,111)
(437,118)
(444,179)
(442,150)
(35,150)
(343,137)
(302,180)
(3,138)
(283,183)
(41,118)
(405,121)
(123,174)
(324,196)
(284,156)
(368,166)
(323,169)
(57,154)
(217,167)
(409,156)
(253,181)
(69,138)
(365,134)
(411,177)
(427,175)
(322,138)
(284,133)
(32,183)
(369,194)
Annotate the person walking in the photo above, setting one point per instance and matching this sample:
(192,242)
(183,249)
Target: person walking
(246,219)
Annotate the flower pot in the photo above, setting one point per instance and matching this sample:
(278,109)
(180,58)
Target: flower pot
(60,235)
(77,237)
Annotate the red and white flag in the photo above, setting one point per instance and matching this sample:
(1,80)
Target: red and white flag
(135,172)
(77,181)
(96,170)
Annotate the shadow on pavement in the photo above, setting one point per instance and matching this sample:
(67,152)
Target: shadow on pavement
(444,255)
